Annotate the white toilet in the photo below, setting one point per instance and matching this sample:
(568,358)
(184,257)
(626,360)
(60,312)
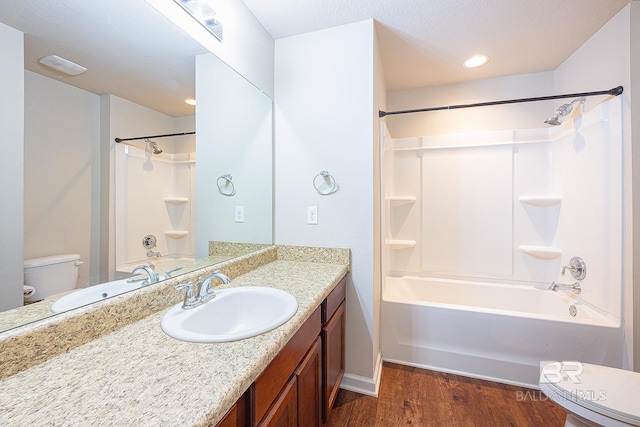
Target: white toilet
(51,275)
(595,395)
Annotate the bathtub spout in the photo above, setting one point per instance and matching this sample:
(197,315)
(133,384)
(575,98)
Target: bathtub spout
(575,287)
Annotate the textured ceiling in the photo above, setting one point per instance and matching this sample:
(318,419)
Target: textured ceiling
(129,49)
(133,52)
(424,42)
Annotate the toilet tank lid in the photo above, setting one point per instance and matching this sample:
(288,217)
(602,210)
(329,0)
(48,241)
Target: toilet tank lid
(50,260)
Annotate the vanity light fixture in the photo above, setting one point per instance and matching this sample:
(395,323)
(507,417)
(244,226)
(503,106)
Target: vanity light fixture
(63,65)
(476,61)
(195,17)
(202,11)
(190,101)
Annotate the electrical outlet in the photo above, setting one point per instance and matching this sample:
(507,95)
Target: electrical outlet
(312,215)
(239,216)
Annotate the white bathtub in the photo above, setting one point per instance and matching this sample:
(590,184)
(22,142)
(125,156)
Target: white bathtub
(491,331)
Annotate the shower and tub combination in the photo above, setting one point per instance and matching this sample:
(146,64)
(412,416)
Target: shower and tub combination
(504,249)
(154,202)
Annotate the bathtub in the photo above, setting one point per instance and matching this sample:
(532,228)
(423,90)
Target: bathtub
(498,332)
(91,294)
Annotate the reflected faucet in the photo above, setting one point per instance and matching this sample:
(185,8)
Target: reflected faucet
(151,253)
(206,293)
(153,277)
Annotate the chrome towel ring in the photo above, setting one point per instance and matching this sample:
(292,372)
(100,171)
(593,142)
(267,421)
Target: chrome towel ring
(226,187)
(325,183)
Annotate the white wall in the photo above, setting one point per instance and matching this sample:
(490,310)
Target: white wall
(234,125)
(61,128)
(324,96)
(512,116)
(246,46)
(604,62)
(11,166)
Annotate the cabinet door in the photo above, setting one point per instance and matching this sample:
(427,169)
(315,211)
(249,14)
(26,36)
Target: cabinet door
(310,388)
(284,412)
(332,360)
(237,415)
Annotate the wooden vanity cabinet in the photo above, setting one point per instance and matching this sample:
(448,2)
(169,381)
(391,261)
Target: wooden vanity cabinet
(300,385)
(333,348)
(238,415)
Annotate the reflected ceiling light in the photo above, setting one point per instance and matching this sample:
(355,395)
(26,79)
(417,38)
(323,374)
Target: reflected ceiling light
(190,101)
(202,11)
(63,65)
(476,61)
(195,17)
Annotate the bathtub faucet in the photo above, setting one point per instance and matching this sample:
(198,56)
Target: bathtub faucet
(151,253)
(575,287)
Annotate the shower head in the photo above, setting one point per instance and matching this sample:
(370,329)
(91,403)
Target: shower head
(154,147)
(563,111)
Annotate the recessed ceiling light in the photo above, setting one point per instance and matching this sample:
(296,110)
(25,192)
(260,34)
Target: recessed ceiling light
(190,101)
(62,65)
(476,61)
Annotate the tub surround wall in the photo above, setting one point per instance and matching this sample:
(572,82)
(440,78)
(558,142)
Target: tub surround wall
(516,206)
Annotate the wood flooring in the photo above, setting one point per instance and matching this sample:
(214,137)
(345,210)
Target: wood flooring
(417,397)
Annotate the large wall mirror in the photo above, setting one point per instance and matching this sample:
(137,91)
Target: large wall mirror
(203,198)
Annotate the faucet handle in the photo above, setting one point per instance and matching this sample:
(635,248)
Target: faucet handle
(577,267)
(190,299)
(172,270)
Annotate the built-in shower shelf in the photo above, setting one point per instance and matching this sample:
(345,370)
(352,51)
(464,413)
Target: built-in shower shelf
(542,252)
(541,201)
(401,244)
(401,200)
(176,234)
(176,200)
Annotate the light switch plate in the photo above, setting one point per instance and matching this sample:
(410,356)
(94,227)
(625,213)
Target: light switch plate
(312,215)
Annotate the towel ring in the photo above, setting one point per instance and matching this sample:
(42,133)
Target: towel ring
(326,184)
(226,182)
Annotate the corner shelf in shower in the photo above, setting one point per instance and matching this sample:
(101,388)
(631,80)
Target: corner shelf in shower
(541,252)
(541,201)
(176,234)
(176,200)
(401,200)
(401,244)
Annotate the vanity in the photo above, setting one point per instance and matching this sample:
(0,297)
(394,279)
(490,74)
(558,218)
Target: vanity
(138,375)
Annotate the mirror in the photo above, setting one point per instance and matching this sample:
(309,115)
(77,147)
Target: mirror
(86,194)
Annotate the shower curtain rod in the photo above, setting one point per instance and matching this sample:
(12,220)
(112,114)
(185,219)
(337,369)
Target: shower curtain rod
(154,136)
(615,92)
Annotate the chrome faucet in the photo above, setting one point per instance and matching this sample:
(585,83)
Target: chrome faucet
(578,270)
(153,277)
(169,272)
(190,300)
(151,253)
(575,287)
(206,293)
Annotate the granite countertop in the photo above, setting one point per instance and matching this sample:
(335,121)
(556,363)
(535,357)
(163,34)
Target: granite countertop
(140,376)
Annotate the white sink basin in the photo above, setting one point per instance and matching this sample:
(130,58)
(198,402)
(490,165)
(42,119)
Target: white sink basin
(234,314)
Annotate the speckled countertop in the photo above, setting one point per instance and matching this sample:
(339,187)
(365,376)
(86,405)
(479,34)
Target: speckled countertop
(140,376)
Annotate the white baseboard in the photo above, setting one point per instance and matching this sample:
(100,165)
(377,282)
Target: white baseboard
(364,385)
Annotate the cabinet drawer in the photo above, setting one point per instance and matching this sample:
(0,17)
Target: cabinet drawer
(333,300)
